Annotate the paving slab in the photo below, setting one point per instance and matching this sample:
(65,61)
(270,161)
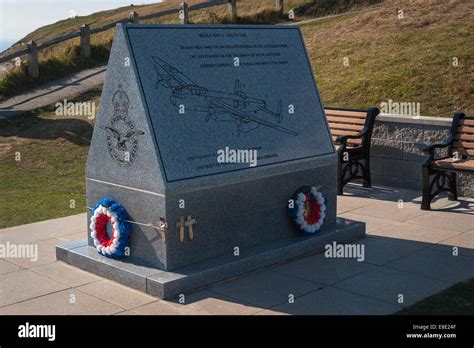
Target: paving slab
(378,193)
(125,313)
(7,267)
(463,241)
(117,294)
(443,203)
(44,230)
(65,274)
(215,304)
(372,224)
(208,302)
(437,264)
(334,301)
(24,285)
(322,270)
(265,288)
(346,204)
(394,211)
(387,285)
(162,308)
(73,237)
(46,253)
(204,302)
(66,302)
(415,233)
(380,250)
(462,205)
(445,220)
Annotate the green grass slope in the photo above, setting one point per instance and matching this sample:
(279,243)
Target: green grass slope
(42,164)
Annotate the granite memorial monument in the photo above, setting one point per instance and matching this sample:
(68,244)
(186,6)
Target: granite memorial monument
(203,135)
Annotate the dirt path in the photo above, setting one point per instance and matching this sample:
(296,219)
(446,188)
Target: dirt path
(53,92)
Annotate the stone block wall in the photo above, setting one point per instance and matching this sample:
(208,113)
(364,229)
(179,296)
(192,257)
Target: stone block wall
(396,152)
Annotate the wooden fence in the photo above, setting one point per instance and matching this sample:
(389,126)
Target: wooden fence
(85,31)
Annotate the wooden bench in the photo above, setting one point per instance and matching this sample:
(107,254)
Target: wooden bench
(439,174)
(351,132)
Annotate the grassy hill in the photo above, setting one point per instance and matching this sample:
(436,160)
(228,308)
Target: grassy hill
(407,59)
(404,56)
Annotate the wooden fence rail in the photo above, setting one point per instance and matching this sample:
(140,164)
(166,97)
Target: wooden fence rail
(85,31)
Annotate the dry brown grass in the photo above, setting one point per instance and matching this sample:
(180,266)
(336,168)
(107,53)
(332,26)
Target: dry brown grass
(407,59)
(246,8)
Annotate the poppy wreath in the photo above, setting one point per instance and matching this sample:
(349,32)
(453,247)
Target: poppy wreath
(104,212)
(308,210)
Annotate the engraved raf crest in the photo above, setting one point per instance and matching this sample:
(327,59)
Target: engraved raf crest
(122,135)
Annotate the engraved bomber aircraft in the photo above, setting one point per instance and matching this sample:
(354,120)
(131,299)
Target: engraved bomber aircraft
(246,112)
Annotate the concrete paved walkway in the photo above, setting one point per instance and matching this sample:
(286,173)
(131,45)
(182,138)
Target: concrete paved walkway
(53,91)
(408,252)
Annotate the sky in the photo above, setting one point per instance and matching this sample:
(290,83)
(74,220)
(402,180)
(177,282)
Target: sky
(20,17)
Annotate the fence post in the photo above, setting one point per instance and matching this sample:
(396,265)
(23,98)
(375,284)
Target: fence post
(33,69)
(183,13)
(279,6)
(233,9)
(85,41)
(134,17)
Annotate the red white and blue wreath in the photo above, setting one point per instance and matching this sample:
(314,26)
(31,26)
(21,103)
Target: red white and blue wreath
(107,211)
(308,210)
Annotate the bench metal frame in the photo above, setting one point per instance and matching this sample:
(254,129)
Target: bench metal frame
(444,179)
(356,164)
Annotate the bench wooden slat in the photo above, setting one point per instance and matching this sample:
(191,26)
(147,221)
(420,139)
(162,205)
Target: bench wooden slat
(344,113)
(351,127)
(451,163)
(345,120)
(464,136)
(354,142)
(463,152)
(338,132)
(467,122)
(464,144)
(465,129)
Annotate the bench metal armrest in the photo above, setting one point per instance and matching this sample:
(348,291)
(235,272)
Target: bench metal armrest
(342,139)
(430,149)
